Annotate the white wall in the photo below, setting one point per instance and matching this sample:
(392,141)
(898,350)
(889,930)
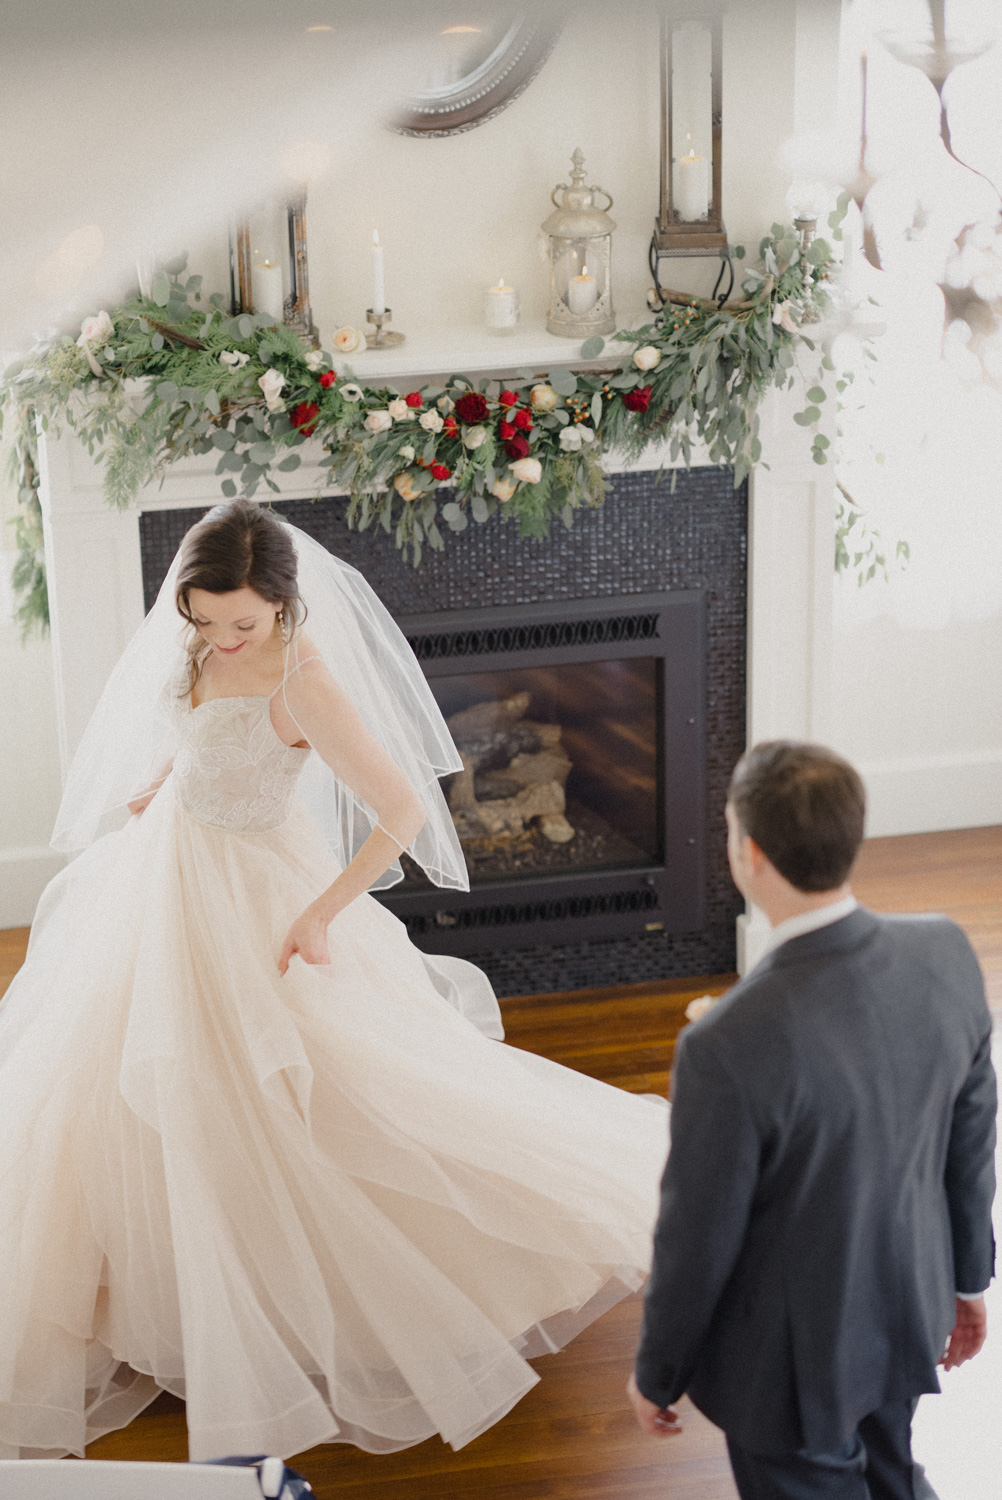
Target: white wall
(917,676)
(29,765)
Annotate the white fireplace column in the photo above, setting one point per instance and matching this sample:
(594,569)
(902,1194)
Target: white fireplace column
(96,595)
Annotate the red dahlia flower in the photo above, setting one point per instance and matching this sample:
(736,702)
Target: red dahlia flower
(327,379)
(517,447)
(304,416)
(472,408)
(439,471)
(450,428)
(522,418)
(508,398)
(637,400)
(414,398)
(506,430)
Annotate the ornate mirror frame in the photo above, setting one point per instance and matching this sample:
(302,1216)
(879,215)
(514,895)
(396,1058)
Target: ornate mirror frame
(491,86)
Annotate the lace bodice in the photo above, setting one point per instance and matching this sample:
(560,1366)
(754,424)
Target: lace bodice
(231,768)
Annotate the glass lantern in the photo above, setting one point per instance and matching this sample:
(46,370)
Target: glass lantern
(580,252)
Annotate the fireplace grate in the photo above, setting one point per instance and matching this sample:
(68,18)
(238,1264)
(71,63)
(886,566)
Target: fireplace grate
(542,636)
(510,913)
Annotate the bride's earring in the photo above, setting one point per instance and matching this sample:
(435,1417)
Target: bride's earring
(286,627)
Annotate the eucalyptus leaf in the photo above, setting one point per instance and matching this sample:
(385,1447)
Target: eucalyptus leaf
(157,341)
(596,409)
(167,391)
(229,489)
(592,348)
(564,382)
(160,293)
(525,374)
(261,453)
(211,400)
(288,464)
(478,505)
(223,439)
(245,326)
(816,394)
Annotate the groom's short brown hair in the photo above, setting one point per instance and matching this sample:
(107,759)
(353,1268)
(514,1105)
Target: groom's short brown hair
(804,807)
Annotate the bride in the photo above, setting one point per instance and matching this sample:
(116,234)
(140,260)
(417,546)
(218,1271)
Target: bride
(255,1148)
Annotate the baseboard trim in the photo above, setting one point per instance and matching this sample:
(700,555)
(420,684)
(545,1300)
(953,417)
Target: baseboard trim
(932,793)
(24,874)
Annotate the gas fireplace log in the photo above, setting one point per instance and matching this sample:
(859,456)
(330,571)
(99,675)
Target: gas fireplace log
(514,772)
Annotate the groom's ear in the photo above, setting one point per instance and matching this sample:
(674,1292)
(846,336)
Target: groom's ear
(757,861)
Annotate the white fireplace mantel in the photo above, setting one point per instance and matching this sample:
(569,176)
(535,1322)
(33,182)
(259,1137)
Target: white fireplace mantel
(93,562)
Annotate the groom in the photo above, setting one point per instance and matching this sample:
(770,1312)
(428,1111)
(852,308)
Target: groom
(826,1208)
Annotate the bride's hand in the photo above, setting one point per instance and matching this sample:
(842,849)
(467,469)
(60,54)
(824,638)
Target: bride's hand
(140,804)
(308,937)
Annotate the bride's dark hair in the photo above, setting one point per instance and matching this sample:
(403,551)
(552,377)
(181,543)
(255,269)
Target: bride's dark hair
(237,545)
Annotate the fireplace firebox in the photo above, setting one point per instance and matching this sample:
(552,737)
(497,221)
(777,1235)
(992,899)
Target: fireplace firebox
(581,806)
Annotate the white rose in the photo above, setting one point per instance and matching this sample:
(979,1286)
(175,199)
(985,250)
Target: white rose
(351,392)
(233,358)
(315,359)
(271,383)
(407,453)
(570,439)
(647,358)
(378,421)
(97,329)
(399,410)
(431,421)
(347,340)
(528,470)
(587,434)
(473,437)
(504,488)
(445,405)
(544,398)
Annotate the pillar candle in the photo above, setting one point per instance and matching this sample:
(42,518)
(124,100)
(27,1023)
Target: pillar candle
(582,293)
(267,289)
(692,200)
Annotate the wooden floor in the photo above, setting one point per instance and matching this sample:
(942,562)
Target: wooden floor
(572,1437)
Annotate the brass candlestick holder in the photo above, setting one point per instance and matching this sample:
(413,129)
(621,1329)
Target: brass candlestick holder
(382,339)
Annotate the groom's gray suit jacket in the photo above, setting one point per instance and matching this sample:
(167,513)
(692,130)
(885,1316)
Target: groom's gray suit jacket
(829,1184)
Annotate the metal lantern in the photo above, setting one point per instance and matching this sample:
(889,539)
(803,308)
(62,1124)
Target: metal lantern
(690,214)
(580,251)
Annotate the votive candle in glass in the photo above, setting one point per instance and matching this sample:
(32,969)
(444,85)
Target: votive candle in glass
(501,308)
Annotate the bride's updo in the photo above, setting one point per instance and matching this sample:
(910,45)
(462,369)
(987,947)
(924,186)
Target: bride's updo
(237,545)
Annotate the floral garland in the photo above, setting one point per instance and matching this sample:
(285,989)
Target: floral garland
(168,376)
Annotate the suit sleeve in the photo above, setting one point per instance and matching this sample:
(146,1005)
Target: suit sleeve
(970,1172)
(706,1194)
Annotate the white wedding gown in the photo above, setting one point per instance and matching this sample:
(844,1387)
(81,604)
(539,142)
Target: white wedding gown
(320,1207)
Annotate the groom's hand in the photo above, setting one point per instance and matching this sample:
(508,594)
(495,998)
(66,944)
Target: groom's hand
(656,1421)
(969,1333)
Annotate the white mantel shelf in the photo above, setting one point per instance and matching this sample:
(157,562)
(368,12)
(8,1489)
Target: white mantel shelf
(471,350)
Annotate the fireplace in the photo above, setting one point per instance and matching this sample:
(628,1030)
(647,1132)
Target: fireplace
(581,806)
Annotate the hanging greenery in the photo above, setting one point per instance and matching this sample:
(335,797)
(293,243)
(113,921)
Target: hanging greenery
(167,376)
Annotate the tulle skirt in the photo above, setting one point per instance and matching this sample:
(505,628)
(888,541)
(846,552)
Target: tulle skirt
(324,1207)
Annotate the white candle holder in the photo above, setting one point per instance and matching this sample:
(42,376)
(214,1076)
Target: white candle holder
(382,338)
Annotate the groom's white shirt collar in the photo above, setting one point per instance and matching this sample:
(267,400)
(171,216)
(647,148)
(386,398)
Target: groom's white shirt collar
(810,921)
